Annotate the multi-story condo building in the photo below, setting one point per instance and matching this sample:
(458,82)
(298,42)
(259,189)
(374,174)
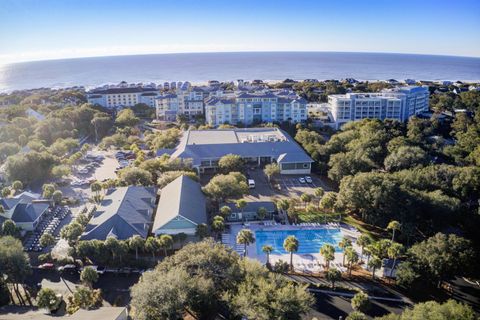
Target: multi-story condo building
(250,108)
(398,103)
(119,97)
(184,101)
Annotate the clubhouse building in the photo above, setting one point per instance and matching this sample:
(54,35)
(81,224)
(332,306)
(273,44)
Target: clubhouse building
(257,146)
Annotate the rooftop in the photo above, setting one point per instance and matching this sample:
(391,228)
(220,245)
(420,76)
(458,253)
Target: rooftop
(181,197)
(124,212)
(248,142)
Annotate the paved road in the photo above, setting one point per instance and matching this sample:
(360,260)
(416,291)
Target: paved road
(466,292)
(115,287)
(332,307)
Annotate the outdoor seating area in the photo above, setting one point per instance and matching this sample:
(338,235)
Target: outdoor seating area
(49,225)
(271,223)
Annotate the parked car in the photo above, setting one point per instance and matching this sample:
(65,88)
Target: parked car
(67,267)
(301,180)
(308,179)
(251,184)
(47,266)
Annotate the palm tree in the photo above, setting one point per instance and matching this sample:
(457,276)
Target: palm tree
(374,263)
(306,198)
(327,203)
(352,258)
(271,170)
(394,226)
(319,192)
(136,242)
(17,185)
(328,253)
(267,250)
(122,250)
(368,252)
(89,276)
(262,213)
(343,244)
(333,275)
(152,245)
(201,231)
(96,187)
(165,241)
(225,211)
(394,251)
(282,204)
(218,224)
(290,244)
(245,237)
(241,204)
(112,244)
(363,240)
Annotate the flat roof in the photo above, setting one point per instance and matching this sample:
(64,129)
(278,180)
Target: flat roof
(248,142)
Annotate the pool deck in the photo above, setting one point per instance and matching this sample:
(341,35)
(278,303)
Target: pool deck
(308,262)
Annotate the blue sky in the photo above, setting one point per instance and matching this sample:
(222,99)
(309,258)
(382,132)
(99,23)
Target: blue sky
(50,29)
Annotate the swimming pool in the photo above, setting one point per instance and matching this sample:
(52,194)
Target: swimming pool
(310,240)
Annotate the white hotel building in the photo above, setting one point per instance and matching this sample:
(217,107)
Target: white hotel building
(120,97)
(398,104)
(185,101)
(251,108)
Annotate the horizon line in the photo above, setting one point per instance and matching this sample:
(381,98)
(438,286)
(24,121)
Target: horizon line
(227,52)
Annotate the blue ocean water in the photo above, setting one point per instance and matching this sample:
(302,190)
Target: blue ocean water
(310,240)
(199,67)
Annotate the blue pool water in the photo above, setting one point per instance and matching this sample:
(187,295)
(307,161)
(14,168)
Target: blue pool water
(310,240)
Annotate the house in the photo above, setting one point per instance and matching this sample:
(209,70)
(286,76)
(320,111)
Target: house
(11,312)
(24,209)
(123,213)
(250,212)
(257,146)
(181,208)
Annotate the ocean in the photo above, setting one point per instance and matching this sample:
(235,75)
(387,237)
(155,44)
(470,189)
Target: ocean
(200,67)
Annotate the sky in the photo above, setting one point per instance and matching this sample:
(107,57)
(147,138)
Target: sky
(55,29)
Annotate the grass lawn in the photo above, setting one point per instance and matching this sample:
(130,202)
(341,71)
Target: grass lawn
(373,232)
(316,216)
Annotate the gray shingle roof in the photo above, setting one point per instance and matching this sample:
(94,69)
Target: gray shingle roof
(121,90)
(181,197)
(22,209)
(123,213)
(28,212)
(213,144)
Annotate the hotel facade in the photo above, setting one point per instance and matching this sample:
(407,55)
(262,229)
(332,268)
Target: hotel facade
(398,104)
(188,102)
(121,97)
(250,108)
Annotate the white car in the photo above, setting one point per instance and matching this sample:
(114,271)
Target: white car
(308,179)
(251,184)
(302,180)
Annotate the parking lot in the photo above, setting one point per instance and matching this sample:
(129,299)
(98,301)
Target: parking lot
(52,223)
(100,170)
(282,186)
